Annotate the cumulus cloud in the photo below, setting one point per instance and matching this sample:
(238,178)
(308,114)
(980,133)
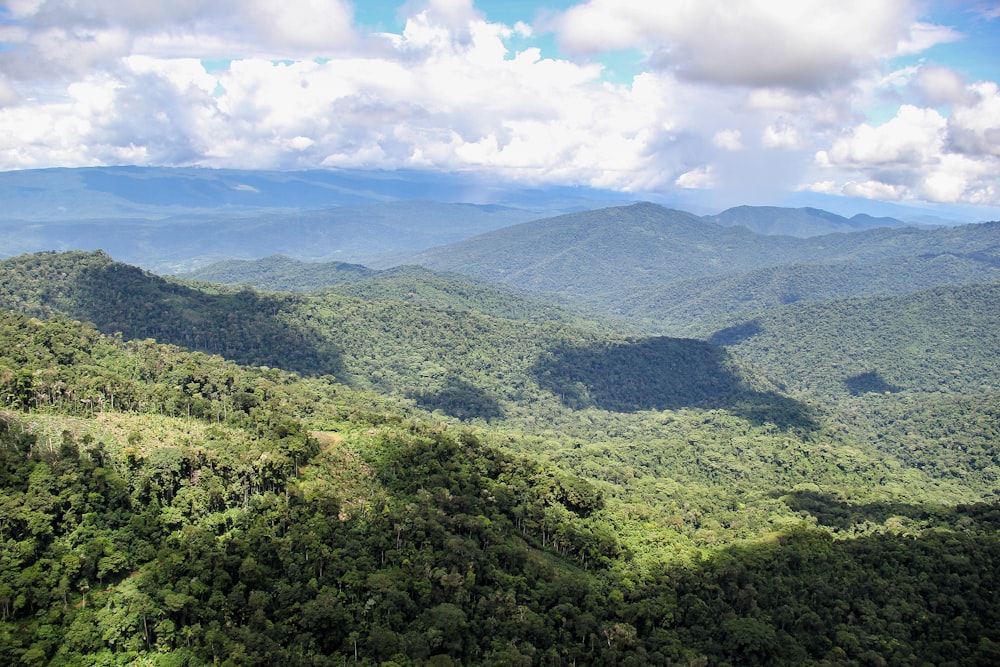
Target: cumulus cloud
(697,179)
(729,140)
(921,154)
(734,97)
(806,44)
(942,85)
(782,135)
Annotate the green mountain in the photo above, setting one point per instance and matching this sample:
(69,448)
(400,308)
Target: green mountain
(184,510)
(655,264)
(442,486)
(801,222)
(695,306)
(943,340)
(278,273)
(408,283)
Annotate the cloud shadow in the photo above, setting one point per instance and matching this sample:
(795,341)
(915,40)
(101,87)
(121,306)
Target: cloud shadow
(662,373)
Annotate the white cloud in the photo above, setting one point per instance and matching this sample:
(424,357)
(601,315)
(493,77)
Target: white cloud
(914,137)
(921,154)
(975,128)
(805,44)
(728,140)
(782,135)
(942,85)
(696,179)
(297,85)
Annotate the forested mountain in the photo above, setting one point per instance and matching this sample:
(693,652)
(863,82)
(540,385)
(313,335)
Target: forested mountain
(278,273)
(654,264)
(696,306)
(801,222)
(939,340)
(412,284)
(439,485)
(167,507)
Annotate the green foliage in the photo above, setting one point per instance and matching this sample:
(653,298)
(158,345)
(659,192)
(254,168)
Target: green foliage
(277,273)
(610,500)
(242,325)
(939,340)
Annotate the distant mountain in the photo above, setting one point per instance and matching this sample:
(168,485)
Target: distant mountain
(158,192)
(364,233)
(177,219)
(633,261)
(800,222)
(692,306)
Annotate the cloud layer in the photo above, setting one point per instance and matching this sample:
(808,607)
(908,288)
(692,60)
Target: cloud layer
(754,98)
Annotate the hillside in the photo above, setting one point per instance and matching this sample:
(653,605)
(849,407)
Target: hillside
(943,340)
(161,505)
(652,263)
(278,273)
(411,284)
(464,363)
(695,306)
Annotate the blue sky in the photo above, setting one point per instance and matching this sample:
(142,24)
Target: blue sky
(706,103)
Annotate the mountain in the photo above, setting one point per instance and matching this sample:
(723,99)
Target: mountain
(407,283)
(695,305)
(646,262)
(278,273)
(442,486)
(800,222)
(50,195)
(368,232)
(174,508)
(178,219)
(942,340)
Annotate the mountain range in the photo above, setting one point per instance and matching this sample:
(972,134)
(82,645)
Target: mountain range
(172,220)
(602,435)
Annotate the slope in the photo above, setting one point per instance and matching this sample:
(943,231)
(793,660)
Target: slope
(603,256)
(939,340)
(278,273)
(199,519)
(695,306)
(467,364)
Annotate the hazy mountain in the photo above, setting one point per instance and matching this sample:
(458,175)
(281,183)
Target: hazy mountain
(801,222)
(688,307)
(366,233)
(629,260)
(159,192)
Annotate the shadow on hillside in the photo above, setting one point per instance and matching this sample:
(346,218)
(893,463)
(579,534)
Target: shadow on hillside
(245,326)
(460,399)
(870,382)
(804,598)
(662,373)
(736,334)
(831,511)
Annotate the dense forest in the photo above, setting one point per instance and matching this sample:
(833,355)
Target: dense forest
(411,469)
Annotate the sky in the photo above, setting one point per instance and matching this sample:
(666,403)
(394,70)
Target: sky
(715,102)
